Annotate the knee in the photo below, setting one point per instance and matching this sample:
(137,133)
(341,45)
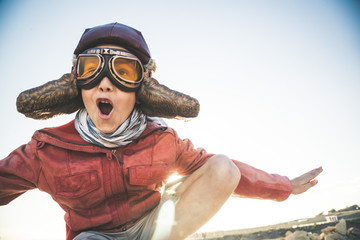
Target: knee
(224,171)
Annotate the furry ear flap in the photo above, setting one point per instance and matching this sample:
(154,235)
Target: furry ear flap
(157,100)
(62,97)
(50,99)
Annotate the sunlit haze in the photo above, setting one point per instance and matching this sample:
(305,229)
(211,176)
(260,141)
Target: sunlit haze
(278,83)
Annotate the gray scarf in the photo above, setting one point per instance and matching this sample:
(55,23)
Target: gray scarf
(129,130)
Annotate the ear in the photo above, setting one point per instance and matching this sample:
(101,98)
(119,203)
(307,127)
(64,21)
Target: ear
(157,100)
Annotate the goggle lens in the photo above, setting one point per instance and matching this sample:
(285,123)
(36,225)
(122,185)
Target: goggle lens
(88,66)
(127,69)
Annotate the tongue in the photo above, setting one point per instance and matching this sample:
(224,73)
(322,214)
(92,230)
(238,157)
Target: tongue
(105,108)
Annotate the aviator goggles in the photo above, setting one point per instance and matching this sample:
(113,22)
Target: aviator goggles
(123,69)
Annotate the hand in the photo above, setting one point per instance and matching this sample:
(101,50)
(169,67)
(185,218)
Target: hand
(306,181)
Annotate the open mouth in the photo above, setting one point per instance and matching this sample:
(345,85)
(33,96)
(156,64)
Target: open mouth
(105,106)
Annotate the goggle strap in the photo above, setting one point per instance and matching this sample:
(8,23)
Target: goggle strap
(109,51)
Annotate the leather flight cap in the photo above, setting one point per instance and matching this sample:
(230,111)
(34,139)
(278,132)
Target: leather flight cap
(118,34)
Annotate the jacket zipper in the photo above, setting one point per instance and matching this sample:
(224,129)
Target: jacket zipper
(117,156)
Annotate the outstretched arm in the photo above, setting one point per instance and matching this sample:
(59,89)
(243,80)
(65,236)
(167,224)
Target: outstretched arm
(19,172)
(255,183)
(306,181)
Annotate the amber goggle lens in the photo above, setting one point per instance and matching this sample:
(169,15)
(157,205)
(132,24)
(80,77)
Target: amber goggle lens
(127,69)
(88,66)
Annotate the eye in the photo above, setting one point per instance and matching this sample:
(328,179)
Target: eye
(126,69)
(88,72)
(123,72)
(87,66)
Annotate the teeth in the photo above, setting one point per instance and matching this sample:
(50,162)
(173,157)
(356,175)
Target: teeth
(104,101)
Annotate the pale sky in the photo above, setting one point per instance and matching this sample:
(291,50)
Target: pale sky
(278,83)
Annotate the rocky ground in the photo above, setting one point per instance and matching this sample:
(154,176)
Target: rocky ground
(343,224)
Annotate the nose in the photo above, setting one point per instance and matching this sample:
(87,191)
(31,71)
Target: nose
(105,85)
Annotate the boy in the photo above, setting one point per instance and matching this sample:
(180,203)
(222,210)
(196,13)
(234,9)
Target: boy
(106,168)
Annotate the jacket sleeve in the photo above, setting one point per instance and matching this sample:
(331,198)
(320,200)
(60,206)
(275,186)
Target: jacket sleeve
(188,158)
(255,183)
(18,173)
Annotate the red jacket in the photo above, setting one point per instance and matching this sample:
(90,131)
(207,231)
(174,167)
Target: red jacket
(109,190)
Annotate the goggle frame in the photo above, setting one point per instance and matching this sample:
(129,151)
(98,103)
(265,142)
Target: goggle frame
(106,58)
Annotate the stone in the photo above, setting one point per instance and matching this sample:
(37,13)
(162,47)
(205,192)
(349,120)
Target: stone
(341,227)
(335,236)
(328,230)
(322,236)
(354,231)
(314,236)
(288,233)
(298,235)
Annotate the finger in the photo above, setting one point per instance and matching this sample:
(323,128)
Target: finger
(305,187)
(311,184)
(307,177)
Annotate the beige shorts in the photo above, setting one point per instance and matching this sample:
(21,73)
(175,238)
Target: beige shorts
(142,230)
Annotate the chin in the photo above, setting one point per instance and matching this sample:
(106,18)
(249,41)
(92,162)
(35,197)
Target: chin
(109,125)
(106,129)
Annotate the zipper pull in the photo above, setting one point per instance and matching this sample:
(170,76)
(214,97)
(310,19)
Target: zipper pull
(117,156)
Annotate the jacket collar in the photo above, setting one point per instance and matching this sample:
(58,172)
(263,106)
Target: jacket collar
(66,136)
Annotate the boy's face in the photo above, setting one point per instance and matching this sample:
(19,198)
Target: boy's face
(108,106)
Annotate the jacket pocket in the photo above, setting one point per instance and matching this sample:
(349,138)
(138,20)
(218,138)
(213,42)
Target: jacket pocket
(76,186)
(148,175)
